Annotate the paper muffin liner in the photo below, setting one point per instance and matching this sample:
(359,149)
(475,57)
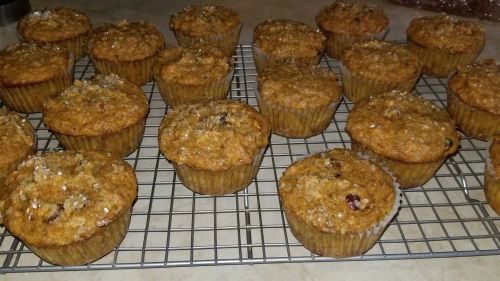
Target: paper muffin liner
(293,122)
(176,93)
(336,43)
(264,60)
(88,250)
(75,45)
(337,244)
(407,174)
(476,123)
(441,62)
(491,183)
(120,143)
(219,182)
(357,87)
(138,72)
(227,41)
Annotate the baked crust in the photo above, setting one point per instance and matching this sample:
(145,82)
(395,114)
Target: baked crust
(204,20)
(404,127)
(495,157)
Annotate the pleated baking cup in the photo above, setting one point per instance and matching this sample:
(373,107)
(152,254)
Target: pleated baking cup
(264,60)
(441,62)
(176,93)
(75,45)
(491,183)
(407,174)
(473,122)
(88,250)
(357,87)
(138,72)
(219,182)
(294,122)
(336,42)
(120,143)
(338,244)
(227,41)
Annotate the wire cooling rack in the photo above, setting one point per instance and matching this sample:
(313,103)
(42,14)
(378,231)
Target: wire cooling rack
(171,226)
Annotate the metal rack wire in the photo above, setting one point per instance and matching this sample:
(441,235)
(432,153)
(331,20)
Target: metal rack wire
(171,226)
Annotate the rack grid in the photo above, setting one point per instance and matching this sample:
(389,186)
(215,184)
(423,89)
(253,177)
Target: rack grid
(171,226)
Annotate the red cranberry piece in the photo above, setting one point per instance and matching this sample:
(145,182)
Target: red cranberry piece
(353,201)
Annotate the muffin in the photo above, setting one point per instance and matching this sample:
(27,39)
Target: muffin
(346,23)
(126,49)
(31,74)
(70,208)
(444,43)
(207,23)
(492,175)
(216,147)
(474,99)
(299,102)
(337,204)
(278,42)
(409,135)
(106,113)
(63,26)
(374,67)
(193,75)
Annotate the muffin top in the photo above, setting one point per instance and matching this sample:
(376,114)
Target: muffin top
(61,197)
(125,41)
(26,63)
(403,126)
(287,38)
(478,85)
(336,191)
(381,60)
(190,66)
(103,105)
(446,32)
(494,156)
(52,25)
(352,18)
(301,87)
(213,136)
(204,20)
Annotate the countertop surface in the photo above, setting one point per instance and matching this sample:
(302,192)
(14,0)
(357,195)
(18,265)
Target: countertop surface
(252,11)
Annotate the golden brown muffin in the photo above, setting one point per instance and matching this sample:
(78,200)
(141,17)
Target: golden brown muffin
(278,42)
(374,67)
(126,49)
(61,25)
(106,113)
(31,74)
(207,23)
(346,23)
(474,99)
(298,101)
(215,147)
(444,43)
(409,135)
(336,203)
(492,175)
(71,208)
(193,75)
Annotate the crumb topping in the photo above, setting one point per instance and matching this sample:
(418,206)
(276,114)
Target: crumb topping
(287,38)
(302,87)
(99,106)
(50,25)
(352,18)
(479,85)
(403,126)
(216,136)
(29,63)
(443,31)
(200,21)
(61,197)
(381,60)
(337,191)
(125,41)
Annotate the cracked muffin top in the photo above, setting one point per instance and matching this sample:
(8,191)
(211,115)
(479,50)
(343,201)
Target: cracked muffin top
(204,20)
